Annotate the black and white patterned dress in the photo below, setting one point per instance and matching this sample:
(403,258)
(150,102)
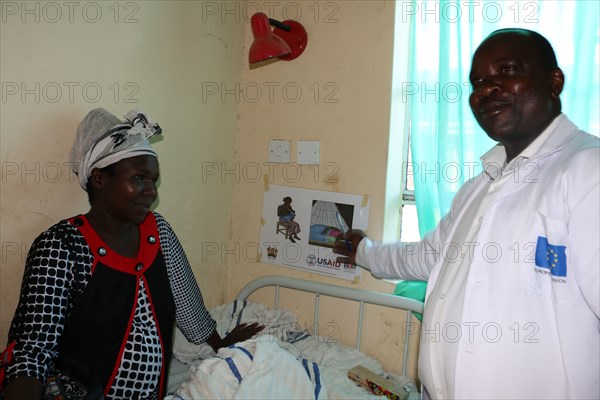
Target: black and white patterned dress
(105,319)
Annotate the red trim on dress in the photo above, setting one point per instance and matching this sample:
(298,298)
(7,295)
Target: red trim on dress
(111,380)
(162,346)
(6,357)
(147,252)
(130,265)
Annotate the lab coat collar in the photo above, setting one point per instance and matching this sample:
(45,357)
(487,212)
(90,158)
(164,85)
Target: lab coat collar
(552,139)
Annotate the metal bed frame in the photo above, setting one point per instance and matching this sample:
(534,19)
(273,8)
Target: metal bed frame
(318,288)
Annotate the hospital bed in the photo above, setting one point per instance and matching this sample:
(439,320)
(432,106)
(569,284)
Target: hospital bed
(297,362)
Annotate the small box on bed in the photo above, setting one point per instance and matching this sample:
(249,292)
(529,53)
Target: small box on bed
(377,383)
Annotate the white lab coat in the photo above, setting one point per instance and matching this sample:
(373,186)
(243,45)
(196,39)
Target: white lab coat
(525,332)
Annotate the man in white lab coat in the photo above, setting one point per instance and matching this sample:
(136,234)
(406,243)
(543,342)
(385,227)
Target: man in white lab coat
(512,307)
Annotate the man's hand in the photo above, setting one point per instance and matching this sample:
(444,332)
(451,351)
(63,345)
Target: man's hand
(346,245)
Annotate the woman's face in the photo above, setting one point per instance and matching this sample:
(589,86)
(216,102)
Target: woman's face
(128,191)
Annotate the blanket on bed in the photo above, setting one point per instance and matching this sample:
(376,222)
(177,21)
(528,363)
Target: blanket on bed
(285,362)
(254,369)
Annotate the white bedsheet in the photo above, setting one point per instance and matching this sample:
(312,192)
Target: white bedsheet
(282,363)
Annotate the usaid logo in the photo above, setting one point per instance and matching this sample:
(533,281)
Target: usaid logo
(328,263)
(312,260)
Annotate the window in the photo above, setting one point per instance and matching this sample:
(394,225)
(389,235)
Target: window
(432,125)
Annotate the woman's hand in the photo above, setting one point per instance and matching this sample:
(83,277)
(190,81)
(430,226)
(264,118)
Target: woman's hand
(238,334)
(242,332)
(24,387)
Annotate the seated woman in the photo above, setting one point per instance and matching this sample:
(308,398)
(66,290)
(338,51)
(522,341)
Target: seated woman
(286,215)
(102,291)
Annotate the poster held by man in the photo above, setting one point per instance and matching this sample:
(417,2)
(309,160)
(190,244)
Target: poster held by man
(300,227)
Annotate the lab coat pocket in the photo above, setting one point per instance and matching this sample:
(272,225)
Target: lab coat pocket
(545,271)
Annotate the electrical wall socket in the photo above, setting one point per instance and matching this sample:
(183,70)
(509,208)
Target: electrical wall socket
(309,152)
(279,151)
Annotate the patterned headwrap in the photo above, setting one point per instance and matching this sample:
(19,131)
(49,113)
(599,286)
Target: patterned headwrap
(102,140)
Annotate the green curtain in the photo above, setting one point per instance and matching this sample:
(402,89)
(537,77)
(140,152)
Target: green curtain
(446,141)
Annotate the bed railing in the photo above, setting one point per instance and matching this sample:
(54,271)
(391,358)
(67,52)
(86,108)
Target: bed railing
(318,288)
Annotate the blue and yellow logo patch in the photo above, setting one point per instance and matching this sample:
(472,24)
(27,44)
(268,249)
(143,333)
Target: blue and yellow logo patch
(551,257)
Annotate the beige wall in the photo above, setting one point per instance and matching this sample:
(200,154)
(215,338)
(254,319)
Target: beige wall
(182,62)
(345,80)
(155,57)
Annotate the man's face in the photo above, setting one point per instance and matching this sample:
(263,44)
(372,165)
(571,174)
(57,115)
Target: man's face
(512,96)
